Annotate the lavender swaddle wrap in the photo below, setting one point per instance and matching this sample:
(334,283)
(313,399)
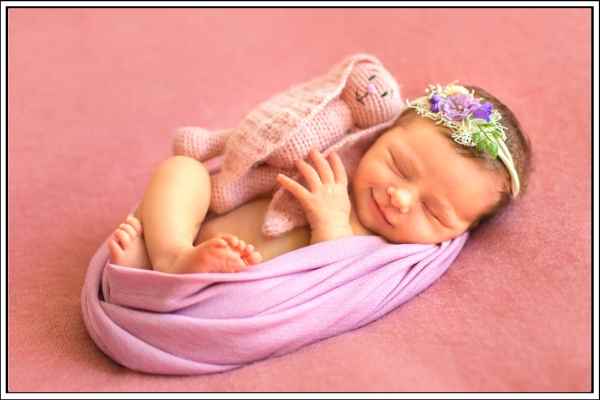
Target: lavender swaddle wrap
(212,322)
(191,324)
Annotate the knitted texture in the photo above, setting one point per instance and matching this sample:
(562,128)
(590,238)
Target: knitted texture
(343,110)
(199,143)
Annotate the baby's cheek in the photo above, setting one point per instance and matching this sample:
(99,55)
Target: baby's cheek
(359,181)
(411,229)
(374,176)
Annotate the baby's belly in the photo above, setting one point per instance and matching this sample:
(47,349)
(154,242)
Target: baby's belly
(246,222)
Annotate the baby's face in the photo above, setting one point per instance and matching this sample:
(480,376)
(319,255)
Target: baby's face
(412,186)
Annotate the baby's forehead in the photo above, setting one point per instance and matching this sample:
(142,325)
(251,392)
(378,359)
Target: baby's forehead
(421,133)
(429,143)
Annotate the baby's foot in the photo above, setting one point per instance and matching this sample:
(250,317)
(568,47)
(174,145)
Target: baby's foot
(127,245)
(224,253)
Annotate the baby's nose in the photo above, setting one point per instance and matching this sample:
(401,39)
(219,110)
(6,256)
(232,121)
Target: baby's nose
(401,199)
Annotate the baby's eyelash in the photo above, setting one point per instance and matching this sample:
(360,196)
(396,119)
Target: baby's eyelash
(429,212)
(395,165)
(395,168)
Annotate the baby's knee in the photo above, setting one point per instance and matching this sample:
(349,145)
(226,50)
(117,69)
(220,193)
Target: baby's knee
(190,167)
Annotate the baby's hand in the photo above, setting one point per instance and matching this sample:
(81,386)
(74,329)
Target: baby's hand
(326,203)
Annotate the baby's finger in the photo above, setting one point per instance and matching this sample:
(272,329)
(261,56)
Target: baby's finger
(322,166)
(296,189)
(310,175)
(339,171)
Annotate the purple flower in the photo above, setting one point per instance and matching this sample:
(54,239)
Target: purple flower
(484,111)
(458,106)
(434,102)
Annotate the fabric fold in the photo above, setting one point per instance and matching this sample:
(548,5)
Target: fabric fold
(212,322)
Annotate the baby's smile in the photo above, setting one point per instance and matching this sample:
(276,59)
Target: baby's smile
(412,186)
(379,210)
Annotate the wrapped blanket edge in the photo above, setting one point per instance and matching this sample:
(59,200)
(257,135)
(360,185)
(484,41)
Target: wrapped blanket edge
(418,267)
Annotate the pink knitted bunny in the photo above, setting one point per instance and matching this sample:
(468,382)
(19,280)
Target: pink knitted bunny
(342,110)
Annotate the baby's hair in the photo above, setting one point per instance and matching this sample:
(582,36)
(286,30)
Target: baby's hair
(518,144)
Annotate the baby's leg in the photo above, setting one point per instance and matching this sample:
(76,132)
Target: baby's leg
(173,207)
(218,254)
(171,212)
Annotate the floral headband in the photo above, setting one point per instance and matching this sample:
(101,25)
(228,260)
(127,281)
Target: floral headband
(473,122)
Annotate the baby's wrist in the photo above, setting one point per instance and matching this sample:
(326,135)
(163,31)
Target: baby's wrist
(330,232)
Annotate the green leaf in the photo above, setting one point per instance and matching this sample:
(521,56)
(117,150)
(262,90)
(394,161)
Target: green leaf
(491,148)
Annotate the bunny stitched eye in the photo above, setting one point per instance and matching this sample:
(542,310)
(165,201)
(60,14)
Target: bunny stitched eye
(372,77)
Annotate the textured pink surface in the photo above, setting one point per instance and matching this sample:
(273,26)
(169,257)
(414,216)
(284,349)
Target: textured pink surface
(95,94)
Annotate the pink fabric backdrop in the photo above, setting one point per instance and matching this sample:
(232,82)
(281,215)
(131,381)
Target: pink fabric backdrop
(95,93)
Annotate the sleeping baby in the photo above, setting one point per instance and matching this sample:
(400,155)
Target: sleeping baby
(450,161)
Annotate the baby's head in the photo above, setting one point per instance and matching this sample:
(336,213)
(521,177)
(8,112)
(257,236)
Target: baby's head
(416,184)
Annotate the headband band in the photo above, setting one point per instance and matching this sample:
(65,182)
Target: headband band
(473,122)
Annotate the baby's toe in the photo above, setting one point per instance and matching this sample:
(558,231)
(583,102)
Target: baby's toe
(217,243)
(123,237)
(129,230)
(135,223)
(115,247)
(255,257)
(241,247)
(115,250)
(248,250)
(251,255)
(232,240)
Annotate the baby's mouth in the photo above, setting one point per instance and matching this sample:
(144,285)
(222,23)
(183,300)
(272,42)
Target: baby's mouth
(379,209)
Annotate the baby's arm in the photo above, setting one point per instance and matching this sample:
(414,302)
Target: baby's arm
(326,202)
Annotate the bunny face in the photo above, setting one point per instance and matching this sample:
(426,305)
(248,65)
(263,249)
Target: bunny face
(372,94)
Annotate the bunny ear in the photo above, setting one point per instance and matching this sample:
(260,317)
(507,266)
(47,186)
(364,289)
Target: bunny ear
(270,125)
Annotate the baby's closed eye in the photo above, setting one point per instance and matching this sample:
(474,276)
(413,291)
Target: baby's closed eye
(428,211)
(394,165)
